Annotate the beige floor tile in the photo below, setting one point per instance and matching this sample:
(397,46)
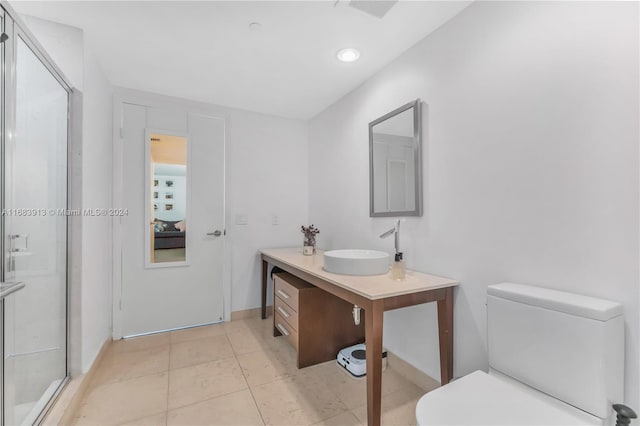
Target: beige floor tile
(245,341)
(422,380)
(204,381)
(237,408)
(398,408)
(427,384)
(237,325)
(298,400)
(139,343)
(197,333)
(392,381)
(258,323)
(344,419)
(264,367)
(266,335)
(353,391)
(199,351)
(325,368)
(120,402)
(282,348)
(155,420)
(118,366)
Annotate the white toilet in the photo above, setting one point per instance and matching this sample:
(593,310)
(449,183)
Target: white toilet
(555,358)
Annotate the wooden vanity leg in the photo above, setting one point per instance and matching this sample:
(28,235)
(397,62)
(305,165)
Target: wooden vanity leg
(265,267)
(445,332)
(373,318)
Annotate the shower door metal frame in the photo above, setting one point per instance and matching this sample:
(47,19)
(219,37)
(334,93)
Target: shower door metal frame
(15,28)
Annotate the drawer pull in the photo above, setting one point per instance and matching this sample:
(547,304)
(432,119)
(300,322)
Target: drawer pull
(282,329)
(282,293)
(283,312)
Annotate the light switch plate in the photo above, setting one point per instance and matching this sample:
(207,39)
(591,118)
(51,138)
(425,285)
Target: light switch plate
(242,219)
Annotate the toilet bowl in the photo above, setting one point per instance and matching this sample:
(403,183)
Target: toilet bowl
(555,358)
(488,399)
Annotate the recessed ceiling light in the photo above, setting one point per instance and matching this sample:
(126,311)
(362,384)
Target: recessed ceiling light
(348,54)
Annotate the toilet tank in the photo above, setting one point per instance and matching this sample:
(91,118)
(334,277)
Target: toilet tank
(566,345)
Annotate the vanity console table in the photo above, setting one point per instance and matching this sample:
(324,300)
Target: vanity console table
(375,294)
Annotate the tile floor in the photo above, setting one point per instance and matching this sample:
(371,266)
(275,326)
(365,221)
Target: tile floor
(231,374)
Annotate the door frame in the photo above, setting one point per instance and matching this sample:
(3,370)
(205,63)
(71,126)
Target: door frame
(130,96)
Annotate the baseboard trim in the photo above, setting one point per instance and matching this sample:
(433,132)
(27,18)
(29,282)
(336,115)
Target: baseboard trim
(411,373)
(68,402)
(250,313)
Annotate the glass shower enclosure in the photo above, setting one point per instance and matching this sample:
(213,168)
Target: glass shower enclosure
(34,104)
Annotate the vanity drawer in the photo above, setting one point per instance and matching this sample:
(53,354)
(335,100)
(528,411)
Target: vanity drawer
(287,288)
(285,311)
(316,323)
(287,330)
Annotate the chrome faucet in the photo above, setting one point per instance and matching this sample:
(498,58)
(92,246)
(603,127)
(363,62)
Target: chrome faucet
(395,230)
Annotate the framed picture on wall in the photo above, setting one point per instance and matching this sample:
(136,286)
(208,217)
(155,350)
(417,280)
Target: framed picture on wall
(169,183)
(168,207)
(168,195)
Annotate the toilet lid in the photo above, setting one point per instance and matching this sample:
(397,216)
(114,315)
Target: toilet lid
(482,399)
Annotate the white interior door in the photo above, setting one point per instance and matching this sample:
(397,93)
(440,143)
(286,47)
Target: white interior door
(171,276)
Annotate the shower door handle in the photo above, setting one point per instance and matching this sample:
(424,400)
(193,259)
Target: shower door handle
(9,288)
(13,238)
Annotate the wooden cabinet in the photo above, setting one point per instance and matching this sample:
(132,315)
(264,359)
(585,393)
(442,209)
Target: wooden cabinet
(316,323)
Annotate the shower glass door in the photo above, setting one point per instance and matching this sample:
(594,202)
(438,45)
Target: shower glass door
(34,320)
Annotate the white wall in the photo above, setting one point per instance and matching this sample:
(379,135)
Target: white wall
(64,44)
(267,175)
(530,165)
(97,178)
(67,47)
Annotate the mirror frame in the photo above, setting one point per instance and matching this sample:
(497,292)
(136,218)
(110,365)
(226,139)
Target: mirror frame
(417,136)
(148,193)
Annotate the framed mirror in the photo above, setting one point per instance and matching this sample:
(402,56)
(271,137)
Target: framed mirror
(167,183)
(395,162)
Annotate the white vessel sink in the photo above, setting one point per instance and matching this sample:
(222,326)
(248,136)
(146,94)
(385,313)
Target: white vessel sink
(356,262)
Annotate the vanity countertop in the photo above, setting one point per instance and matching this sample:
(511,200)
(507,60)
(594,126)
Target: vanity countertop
(370,286)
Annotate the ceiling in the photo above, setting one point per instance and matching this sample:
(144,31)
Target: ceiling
(205,50)
(168,149)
